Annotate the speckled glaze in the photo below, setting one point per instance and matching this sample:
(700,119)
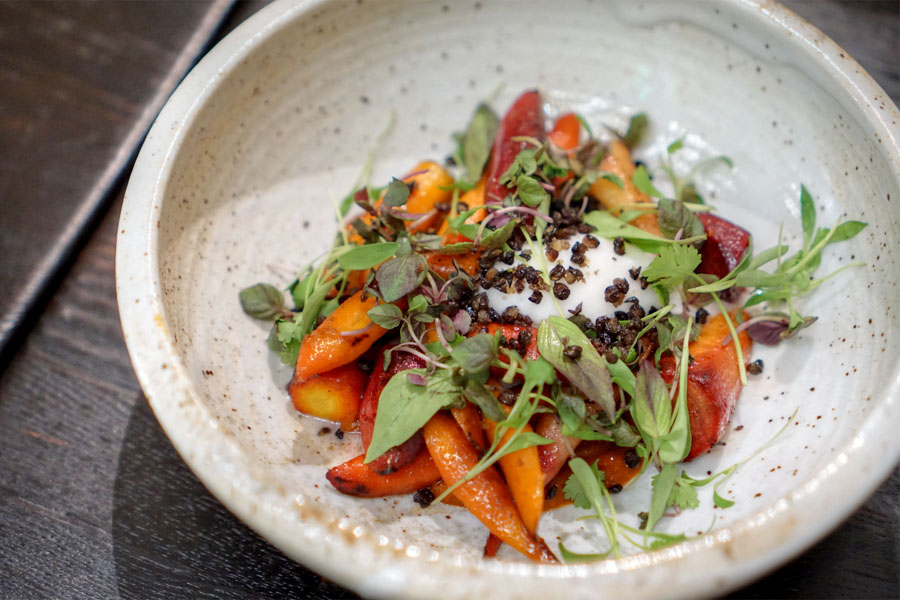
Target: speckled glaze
(233,184)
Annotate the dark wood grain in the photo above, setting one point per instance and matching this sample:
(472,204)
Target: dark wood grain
(80,83)
(95,503)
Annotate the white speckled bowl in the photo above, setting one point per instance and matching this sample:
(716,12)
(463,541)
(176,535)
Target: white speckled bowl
(232,187)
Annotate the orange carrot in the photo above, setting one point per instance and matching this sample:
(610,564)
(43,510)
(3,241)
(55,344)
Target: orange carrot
(522,470)
(326,347)
(565,132)
(612,197)
(469,420)
(470,199)
(486,495)
(355,478)
(430,185)
(334,395)
(442,264)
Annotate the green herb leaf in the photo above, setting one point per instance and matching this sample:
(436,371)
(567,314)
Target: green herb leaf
(846,230)
(675,146)
(720,501)
(262,301)
(417,303)
(525,163)
(588,373)
(403,408)
(367,256)
(400,276)
(807,216)
(397,193)
(662,484)
(674,216)
(651,407)
(641,180)
(496,238)
(673,266)
(386,315)
(477,141)
(683,494)
(572,412)
(637,127)
(583,487)
(530,191)
(609,227)
(621,375)
(475,354)
(478,395)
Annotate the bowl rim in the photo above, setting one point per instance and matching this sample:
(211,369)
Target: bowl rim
(763,544)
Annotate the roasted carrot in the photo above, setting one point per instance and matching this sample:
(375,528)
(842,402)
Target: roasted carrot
(565,132)
(611,460)
(553,456)
(430,185)
(469,420)
(401,454)
(334,395)
(612,197)
(329,346)
(714,383)
(492,545)
(523,474)
(525,118)
(470,199)
(486,495)
(443,264)
(354,477)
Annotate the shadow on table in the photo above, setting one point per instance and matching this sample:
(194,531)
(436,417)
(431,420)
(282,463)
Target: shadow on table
(172,539)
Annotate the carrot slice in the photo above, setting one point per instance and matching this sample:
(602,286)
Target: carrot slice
(355,478)
(486,496)
(469,420)
(522,470)
(328,347)
(565,132)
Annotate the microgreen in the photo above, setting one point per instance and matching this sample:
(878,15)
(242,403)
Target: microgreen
(609,227)
(262,301)
(475,144)
(400,276)
(637,127)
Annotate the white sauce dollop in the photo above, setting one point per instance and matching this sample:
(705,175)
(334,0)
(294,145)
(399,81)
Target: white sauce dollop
(601,267)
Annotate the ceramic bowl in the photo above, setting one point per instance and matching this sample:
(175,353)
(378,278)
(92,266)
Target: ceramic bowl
(233,186)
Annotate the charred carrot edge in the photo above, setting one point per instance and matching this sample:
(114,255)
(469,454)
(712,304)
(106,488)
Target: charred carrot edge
(492,545)
(486,496)
(326,347)
(355,478)
(523,474)
(469,420)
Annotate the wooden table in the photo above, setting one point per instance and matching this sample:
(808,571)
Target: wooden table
(94,502)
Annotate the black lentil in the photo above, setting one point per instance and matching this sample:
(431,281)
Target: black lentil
(561,290)
(536,297)
(701,315)
(423,497)
(619,246)
(572,351)
(632,459)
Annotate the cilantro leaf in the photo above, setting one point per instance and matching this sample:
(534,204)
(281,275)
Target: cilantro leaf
(673,266)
